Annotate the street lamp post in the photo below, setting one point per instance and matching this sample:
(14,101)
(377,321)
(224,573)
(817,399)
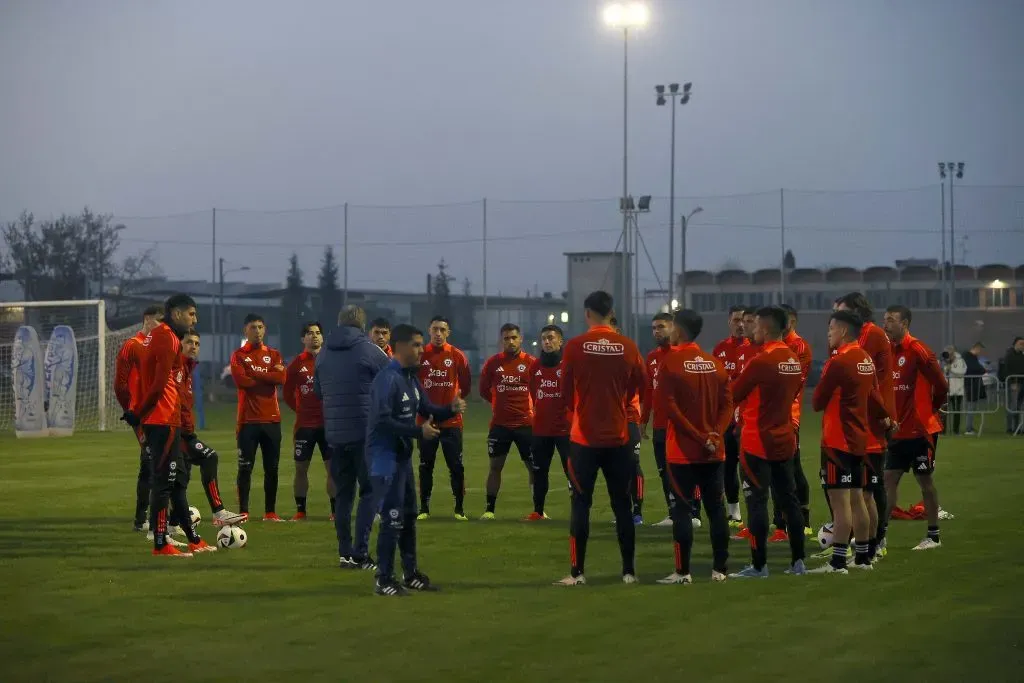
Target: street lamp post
(682,97)
(220,306)
(682,265)
(949,170)
(625,16)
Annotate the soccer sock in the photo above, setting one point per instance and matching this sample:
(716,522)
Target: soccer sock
(861,555)
(872,547)
(733,510)
(180,503)
(839,555)
(933,533)
(883,529)
(300,504)
(492,500)
(806,511)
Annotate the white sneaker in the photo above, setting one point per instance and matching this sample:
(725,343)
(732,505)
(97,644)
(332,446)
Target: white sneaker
(175,530)
(676,577)
(827,569)
(170,540)
(228,518)
(665,522)
(943,514)
(928,544)
(717,576)
(867,566)
(571,581)
(629,579)
(696,522)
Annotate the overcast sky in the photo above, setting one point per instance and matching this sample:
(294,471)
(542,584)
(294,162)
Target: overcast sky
(175,106)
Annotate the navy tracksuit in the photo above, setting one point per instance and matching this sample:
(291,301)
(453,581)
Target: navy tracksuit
(395,400)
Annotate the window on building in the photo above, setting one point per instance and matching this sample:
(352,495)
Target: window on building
(879,298)
(933,298)
(967,298)
(999,298)
(703,302)
(912,298)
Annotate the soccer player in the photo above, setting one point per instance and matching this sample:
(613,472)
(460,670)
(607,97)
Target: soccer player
(129,393)
(695,390)
(767,388)
(395,401)
(600,368)
(380,334)
(505,384)
(848,394)
(308,432)
(799,346)
(258,371)
(159,412)
(444,376)
(654,403)
(874,340)
(728,352)
(551,418)
(198,452)
(921,390)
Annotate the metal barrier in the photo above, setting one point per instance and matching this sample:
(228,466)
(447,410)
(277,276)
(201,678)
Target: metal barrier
(1013,400)
(971,398)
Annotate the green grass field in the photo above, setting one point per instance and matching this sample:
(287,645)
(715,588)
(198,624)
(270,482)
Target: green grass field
(84,601)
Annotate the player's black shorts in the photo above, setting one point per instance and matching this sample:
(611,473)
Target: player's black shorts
(500,440)
(195,449)
(634,440)
(308,438)
(916,455)
(841,470)
(874,464)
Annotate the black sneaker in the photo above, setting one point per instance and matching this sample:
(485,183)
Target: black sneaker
(418,581)
(390,588)
(346,562)
(136,526)
(366,563)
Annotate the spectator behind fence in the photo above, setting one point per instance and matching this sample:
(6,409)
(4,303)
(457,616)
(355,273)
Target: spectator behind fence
(954,367)
(1011,371)
(345,369)
(974,385)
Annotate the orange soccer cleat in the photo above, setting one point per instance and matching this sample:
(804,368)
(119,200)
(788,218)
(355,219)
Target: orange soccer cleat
(201,547)
(170,551)
(743,535)
(272,517)
(779,536)
(535,517)
(299,516)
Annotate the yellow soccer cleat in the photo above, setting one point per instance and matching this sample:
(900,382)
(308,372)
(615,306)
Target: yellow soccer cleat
(423,516)
(487,516)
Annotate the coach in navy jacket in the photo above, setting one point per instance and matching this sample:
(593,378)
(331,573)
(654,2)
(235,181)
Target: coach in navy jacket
(397,399)
(344,371)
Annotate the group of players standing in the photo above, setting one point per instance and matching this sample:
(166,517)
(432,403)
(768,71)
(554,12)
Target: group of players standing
(723,422)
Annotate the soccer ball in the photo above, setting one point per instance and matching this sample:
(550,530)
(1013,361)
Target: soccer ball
(193,512)
(825,536)
(231,537)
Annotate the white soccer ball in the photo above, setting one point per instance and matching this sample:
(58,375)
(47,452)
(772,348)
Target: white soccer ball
(193,512)
(825,536)
(231,537)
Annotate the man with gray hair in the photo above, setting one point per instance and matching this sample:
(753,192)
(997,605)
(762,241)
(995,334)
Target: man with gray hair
(345,369)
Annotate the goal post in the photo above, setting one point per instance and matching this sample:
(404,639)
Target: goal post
(57,360)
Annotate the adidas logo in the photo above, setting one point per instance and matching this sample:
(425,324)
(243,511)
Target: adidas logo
(654,361)
(500,369)
(248,360)
(538,373)
(426,363)
(304,369)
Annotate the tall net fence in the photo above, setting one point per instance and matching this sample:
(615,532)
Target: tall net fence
(517,246)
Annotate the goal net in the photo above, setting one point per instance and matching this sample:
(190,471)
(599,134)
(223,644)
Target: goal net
(57,361)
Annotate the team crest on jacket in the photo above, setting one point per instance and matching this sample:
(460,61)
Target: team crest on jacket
(902,361)
(266,359)
(699,365)
(790,367)
(522,368)
(604,347)
(558,372)
(866,367)
(447,362)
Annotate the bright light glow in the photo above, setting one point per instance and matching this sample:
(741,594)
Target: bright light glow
(551,319)
(626,15)
(565,316)
(534,343)
(997,284)
(675,304)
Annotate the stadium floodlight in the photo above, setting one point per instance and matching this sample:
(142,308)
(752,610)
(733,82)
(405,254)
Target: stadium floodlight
(644,204)
(997,284)
(674,305)
(565,316)
(551,318)
(680,97)
(950,170)
(626,15)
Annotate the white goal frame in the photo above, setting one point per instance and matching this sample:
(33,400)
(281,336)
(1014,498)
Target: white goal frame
(101,344)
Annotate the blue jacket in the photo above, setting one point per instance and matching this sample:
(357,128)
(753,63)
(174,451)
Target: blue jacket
(396,399)
(344,370)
